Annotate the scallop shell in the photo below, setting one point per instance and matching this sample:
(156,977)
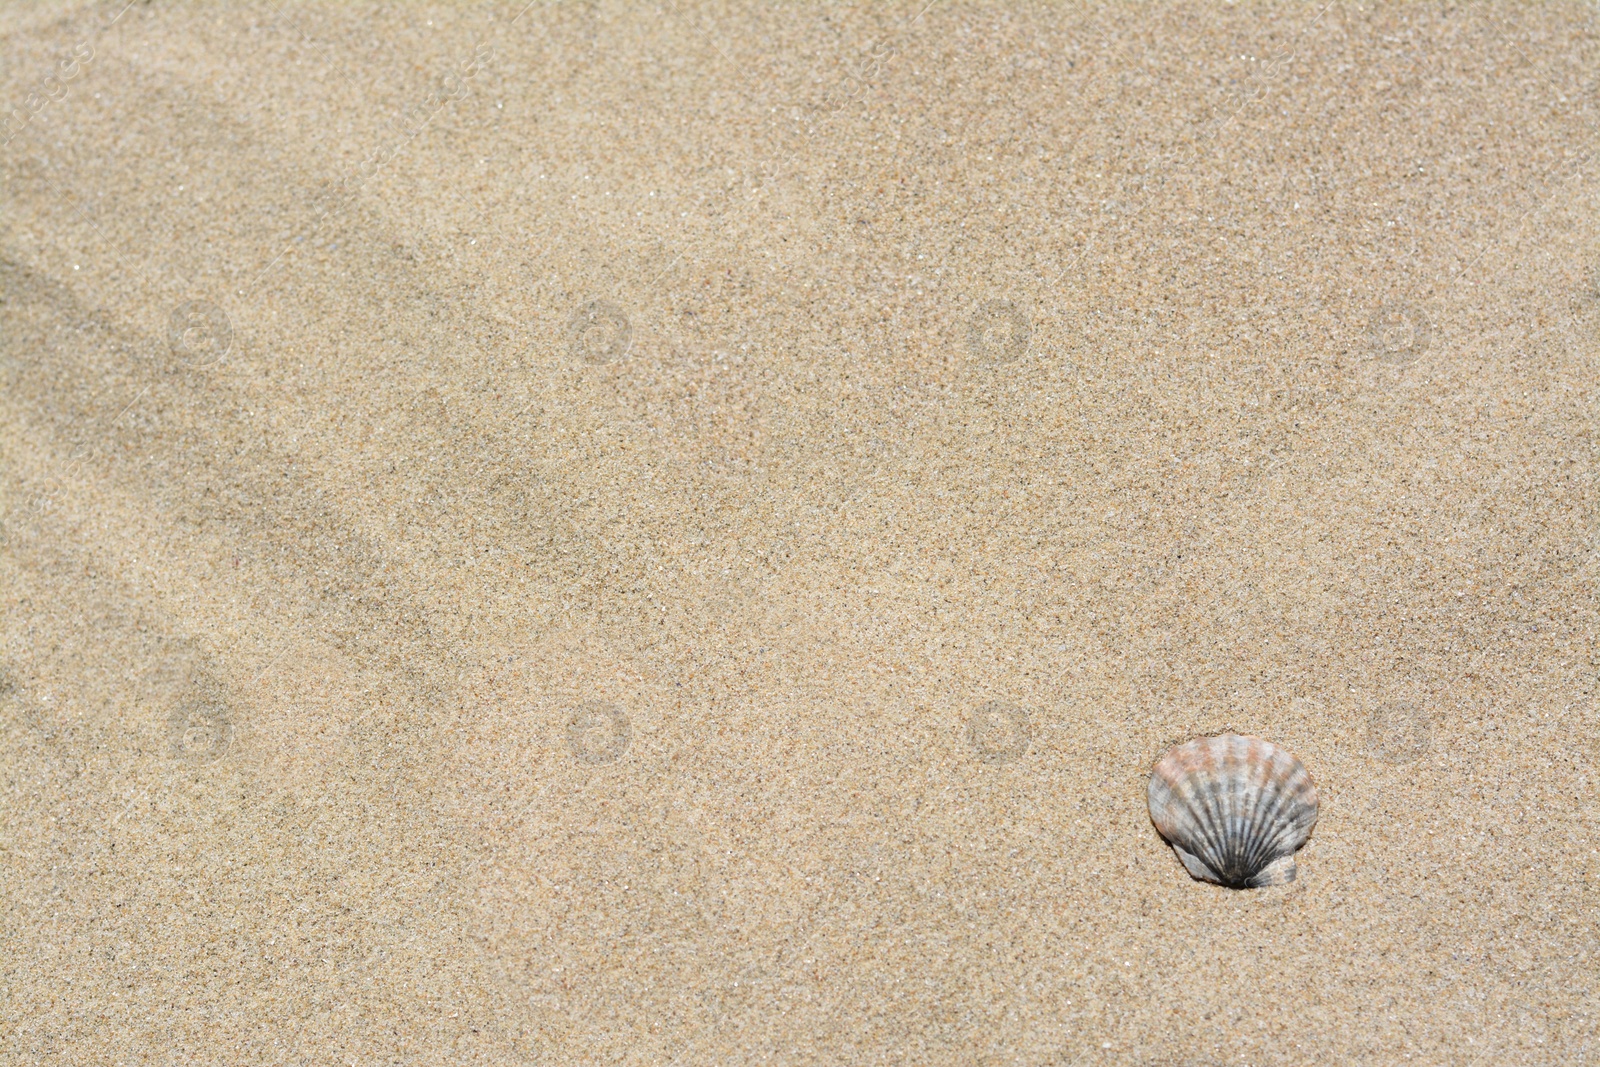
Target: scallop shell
(1234,809)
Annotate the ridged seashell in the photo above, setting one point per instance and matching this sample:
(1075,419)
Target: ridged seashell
(1234,809)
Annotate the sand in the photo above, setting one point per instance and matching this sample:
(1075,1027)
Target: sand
(621,534)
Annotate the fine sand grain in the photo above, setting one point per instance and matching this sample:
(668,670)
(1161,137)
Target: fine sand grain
(634,535)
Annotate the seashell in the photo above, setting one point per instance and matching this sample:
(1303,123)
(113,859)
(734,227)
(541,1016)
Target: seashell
(1234,808)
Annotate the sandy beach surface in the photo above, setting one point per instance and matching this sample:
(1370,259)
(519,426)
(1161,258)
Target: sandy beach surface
(674,534)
